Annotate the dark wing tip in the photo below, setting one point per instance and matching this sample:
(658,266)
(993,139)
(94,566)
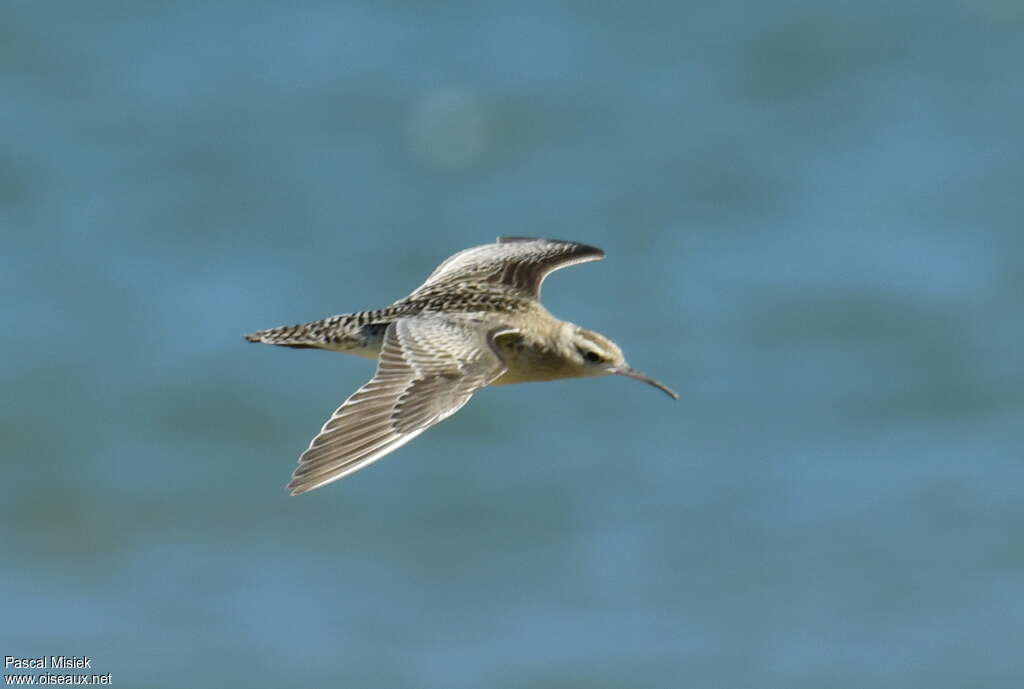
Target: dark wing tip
(252,337)
(581,249)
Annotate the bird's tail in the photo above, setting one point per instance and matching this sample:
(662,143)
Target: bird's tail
(327,333)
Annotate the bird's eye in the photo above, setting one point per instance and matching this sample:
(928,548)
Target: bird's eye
(592,356)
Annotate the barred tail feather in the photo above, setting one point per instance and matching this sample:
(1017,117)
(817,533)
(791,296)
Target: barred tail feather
(323,334)
(296,336)
(355,333)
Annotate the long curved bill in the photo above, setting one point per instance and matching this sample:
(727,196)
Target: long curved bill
(633,373)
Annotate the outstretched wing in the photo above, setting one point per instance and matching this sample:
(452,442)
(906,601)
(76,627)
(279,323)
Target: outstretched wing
(520,263)
(429,367)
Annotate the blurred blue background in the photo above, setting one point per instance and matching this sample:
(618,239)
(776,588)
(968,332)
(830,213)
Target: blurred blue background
(812,214)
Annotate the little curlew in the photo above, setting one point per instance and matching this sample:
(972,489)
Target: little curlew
(476,321)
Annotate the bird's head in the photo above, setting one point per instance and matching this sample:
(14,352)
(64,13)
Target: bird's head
(593,354)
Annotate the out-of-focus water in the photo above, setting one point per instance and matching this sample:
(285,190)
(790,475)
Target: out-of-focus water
(813,219)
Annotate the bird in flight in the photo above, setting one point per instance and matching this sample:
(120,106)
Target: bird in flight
(476,321)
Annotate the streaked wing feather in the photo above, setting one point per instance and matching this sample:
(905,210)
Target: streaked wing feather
(520,263)
(428,369)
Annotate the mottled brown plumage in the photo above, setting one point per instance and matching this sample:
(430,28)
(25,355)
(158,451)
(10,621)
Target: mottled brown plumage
(475,322)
